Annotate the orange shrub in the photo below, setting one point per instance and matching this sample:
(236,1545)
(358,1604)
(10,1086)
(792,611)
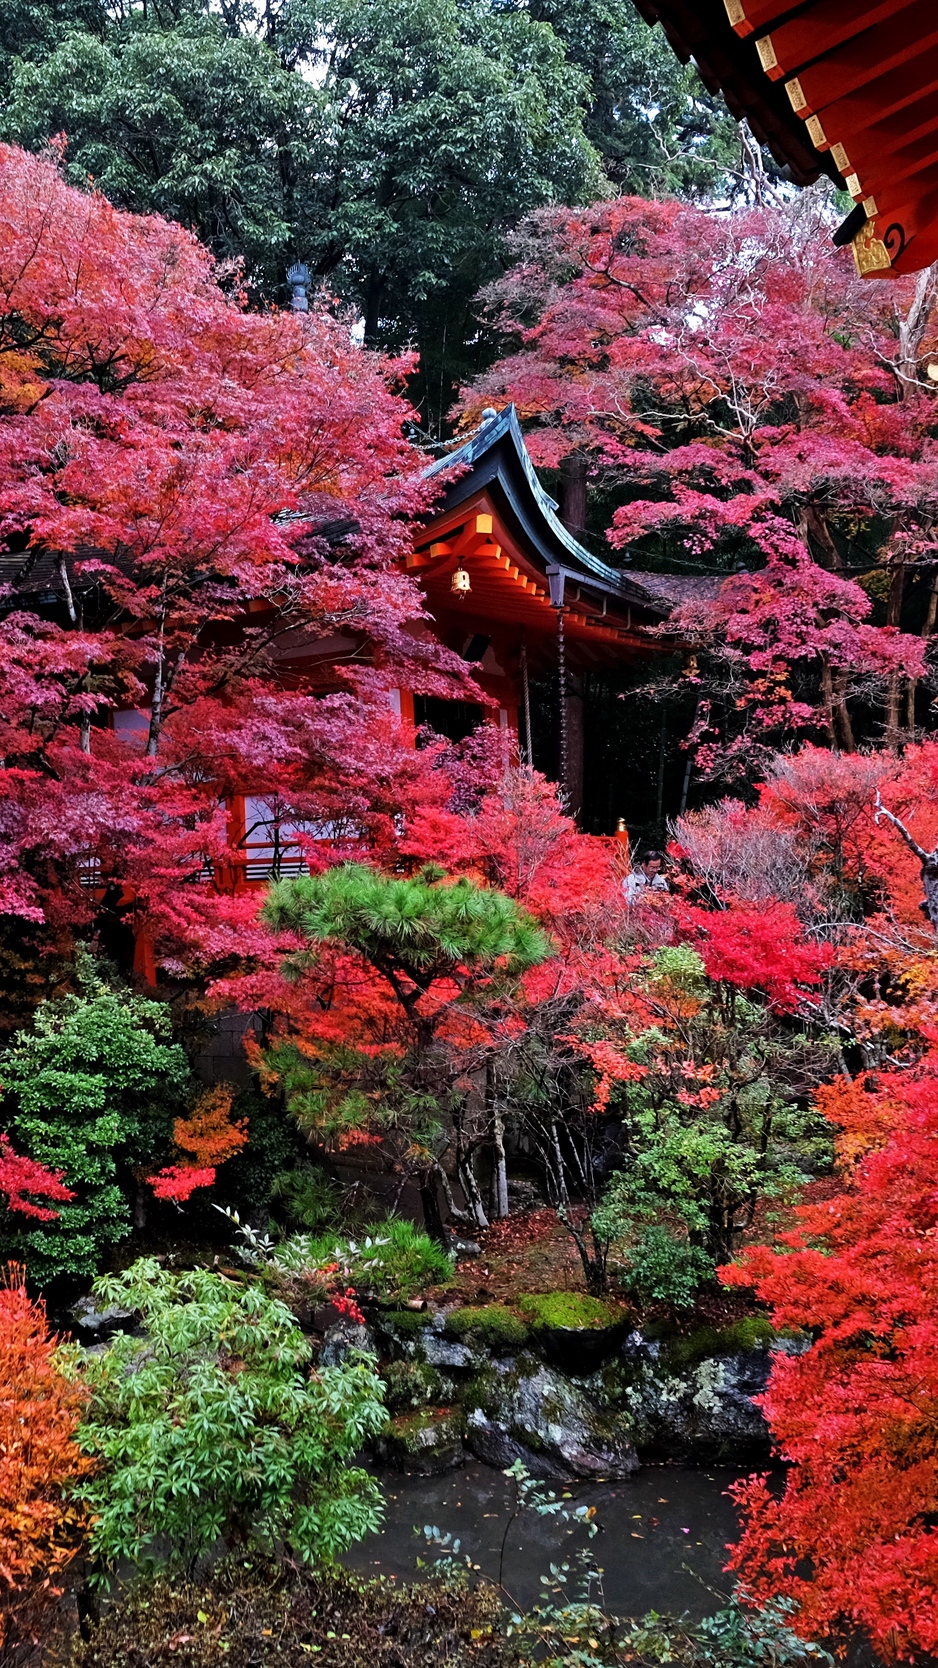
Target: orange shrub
(41,1530)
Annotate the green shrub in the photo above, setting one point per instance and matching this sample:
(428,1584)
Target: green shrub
(494,1326)
(391,1260)
(309,1198)
(660,1267)
(94,1088)
(568,1309)
(211,1427)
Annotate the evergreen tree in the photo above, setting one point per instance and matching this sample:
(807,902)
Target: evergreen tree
(389,144)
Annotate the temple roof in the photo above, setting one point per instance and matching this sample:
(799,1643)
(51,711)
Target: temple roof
(700,30)
(496,458)
(860,82)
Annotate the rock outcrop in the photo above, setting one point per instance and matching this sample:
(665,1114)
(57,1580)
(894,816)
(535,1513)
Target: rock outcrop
(691,1398)
(524,1409)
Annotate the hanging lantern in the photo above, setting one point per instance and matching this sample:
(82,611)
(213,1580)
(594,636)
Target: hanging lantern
(460,584)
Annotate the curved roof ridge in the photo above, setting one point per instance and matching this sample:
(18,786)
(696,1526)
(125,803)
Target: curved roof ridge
(506,426)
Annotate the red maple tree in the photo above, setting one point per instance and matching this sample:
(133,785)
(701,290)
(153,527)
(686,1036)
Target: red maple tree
(202,515)
(852,1538)
(753,406)
(24,1180)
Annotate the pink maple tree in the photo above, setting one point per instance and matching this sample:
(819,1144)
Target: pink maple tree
(756,408)
(202,514)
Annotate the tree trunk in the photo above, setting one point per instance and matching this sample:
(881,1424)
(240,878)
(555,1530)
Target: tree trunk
(374,295)
(814,530)
(928,627)
(430,1202)
(912,329)
(572,508)
(499,1171)
(827,694)
(470,1187)
(559,1166)
(593,1252)
(893,687)
(842,714)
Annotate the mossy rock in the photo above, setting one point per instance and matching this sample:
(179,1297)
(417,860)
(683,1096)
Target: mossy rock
(428,1441)
(752,1332)
(406,1323)
(489,1387)
(411,1384)
(572,1310)
(493,1326)
(576,1332)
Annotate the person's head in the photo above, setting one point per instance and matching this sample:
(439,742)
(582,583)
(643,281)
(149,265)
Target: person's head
(651,863)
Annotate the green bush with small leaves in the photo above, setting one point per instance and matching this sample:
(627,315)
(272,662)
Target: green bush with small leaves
(661,1267)
(93,1088)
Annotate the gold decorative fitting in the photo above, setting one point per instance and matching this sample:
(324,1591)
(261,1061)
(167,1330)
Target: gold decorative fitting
(816,132)
(734,11)
(853,185)
(841,159)
(766,53)
(460,584)
(870,252)
(796,96)
(869,203)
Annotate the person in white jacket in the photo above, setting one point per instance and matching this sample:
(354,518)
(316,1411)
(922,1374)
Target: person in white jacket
(647,876)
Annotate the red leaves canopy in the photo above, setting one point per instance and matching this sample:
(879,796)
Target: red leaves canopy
(749,393)
(759,947)
(853,1538)
(210,493)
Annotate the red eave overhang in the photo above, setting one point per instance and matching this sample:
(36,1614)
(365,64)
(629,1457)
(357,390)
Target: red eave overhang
(509,588)
(863,76)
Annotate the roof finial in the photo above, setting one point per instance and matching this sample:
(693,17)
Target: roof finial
(489,415)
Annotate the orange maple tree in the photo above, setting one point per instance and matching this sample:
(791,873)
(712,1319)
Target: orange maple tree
(207,1137)
(41,1529)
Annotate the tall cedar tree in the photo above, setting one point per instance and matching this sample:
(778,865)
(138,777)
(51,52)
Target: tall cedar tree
(388,143)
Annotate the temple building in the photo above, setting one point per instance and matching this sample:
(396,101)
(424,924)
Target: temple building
(511,590)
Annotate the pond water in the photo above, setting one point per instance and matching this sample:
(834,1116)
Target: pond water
(661,1544)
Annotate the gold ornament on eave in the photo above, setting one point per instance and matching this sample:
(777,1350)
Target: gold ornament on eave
(460,584)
